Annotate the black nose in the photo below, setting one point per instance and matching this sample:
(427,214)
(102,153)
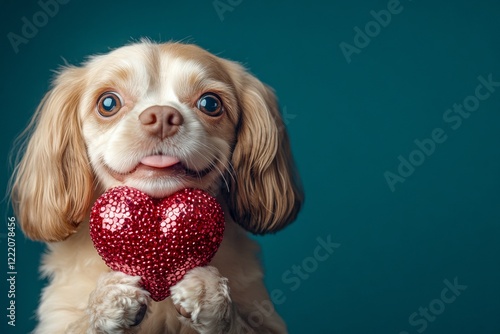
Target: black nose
(161,121)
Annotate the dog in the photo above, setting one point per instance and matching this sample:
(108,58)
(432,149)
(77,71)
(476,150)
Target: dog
(159,118)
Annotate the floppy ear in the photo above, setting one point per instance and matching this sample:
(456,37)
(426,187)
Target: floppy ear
(265,194)
(52,183)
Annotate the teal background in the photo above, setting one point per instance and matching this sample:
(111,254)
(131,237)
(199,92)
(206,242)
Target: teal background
(348,124)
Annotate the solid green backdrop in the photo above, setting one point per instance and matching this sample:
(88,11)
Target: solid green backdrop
(393,109)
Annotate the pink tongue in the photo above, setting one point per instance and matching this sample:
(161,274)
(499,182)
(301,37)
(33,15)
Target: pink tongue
(159,161)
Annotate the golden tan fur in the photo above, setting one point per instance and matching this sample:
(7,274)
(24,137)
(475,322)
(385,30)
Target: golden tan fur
(53,184)
(266,194)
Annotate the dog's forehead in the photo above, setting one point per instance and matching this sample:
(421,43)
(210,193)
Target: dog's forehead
(154,54)
(154,65)
(188,52)
(189,61)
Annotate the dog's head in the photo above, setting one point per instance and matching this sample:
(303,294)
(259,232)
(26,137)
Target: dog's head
(159,118)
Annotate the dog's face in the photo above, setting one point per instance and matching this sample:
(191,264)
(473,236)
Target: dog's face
(159,118)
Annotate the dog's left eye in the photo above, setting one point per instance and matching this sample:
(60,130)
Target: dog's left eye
(210,104)
(109,104)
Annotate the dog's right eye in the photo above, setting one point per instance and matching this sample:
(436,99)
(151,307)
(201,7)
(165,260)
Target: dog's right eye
(109,104)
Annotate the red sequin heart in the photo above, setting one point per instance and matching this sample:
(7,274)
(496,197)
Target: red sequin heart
(159,240)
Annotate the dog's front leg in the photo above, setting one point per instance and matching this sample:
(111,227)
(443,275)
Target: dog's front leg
(202,298)
(204,302)
(117,305)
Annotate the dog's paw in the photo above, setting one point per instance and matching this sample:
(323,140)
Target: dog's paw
(203,300)
(117,303)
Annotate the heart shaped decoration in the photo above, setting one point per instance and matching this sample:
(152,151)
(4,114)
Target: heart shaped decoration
(157,239)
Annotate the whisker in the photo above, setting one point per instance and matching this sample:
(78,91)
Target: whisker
(213,159)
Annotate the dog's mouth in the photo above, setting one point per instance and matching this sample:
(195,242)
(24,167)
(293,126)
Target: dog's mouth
(160,161)
(165,163)
(160,166)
